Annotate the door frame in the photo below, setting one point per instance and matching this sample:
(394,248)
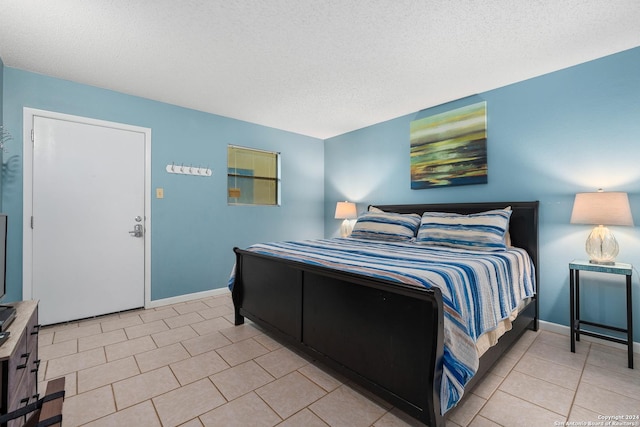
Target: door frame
(27,192)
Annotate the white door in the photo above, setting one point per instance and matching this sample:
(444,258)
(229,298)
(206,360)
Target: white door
(88,197)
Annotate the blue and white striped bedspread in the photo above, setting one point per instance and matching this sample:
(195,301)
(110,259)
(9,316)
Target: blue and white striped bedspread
(479,289)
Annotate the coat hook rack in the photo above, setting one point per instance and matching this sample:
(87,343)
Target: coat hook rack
(183,169)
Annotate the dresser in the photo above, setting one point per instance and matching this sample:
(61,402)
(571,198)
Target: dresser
(19,361)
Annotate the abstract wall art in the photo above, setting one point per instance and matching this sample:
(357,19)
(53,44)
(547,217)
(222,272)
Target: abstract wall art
(450,148)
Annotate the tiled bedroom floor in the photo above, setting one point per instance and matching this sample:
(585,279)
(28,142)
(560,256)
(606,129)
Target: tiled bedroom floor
(186,364)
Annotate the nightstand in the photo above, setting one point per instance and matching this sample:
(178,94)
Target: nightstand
(574,296)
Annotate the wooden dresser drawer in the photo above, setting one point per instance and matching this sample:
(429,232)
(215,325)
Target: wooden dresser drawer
(19,361)
(18,367)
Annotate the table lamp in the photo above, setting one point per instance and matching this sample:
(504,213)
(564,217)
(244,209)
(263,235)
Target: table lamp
(346,211)
(602,209)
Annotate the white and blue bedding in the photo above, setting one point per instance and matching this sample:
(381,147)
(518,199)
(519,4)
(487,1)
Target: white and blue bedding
(479,288)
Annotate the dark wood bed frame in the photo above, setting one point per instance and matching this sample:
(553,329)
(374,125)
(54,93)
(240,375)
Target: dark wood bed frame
(385,336)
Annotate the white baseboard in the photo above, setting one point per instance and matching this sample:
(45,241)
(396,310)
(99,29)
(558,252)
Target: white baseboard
(188,297)
(564,330)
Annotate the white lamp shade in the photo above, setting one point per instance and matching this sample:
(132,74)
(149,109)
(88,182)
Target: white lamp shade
(602,208)
(346,210)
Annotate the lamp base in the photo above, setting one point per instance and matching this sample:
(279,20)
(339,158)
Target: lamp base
(346,228)
(602,246)
(593,261)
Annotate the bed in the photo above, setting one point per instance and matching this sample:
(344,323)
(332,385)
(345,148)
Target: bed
(380,332)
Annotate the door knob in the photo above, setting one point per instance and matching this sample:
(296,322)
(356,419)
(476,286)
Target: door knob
(137,231)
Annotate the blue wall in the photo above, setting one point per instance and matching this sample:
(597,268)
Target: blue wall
(193,229)
(570,131)
(549,137)
(1,93)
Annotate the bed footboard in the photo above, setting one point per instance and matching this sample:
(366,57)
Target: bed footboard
(385,336)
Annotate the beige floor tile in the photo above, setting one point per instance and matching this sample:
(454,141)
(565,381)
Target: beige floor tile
(527,338)
(160,357)
(42,370)
(45,337)
(188,402)
(132,312)
(515,352)
(511,411)
(183,320)
(190,307)
(53,351)
(560,356)
(583,415)
(281,362)
(562,341)
(241,379)
(173,336)
(328,381)
(369,395)
(242,332)
(604,401)
(210,326)
(121,323)
(142,387)
(296,386)
(303,418)
(219,311)
(396,418)
(59,327)
(158,314)
(198,367)
(101,340)
(74,362)
(248,410)
(108,373)
(242,351)
(467,408)
(613,359)
(143,329)
(268,342)
(485,388)
(480,421)
(504,365)
(205,343)
(75,333)
(346,407)
(70,384)
(550,396)
(627,384)
(192,423)
(220,300)
(141,415)
(98,319)
(129,348)
(290,394)
(82,408)
(561,375)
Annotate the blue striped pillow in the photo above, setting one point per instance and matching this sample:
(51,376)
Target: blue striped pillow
(483,231)
(386,226)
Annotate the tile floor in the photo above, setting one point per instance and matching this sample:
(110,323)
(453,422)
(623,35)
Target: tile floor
(186,364)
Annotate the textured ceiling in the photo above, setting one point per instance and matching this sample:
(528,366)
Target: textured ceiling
(315,67)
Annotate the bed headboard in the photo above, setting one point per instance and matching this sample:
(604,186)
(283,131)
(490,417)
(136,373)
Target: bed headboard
(523,226)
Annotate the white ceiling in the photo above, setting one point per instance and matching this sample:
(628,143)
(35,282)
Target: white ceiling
(315,67)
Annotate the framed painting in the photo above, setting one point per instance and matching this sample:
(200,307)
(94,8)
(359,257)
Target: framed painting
(450,148)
